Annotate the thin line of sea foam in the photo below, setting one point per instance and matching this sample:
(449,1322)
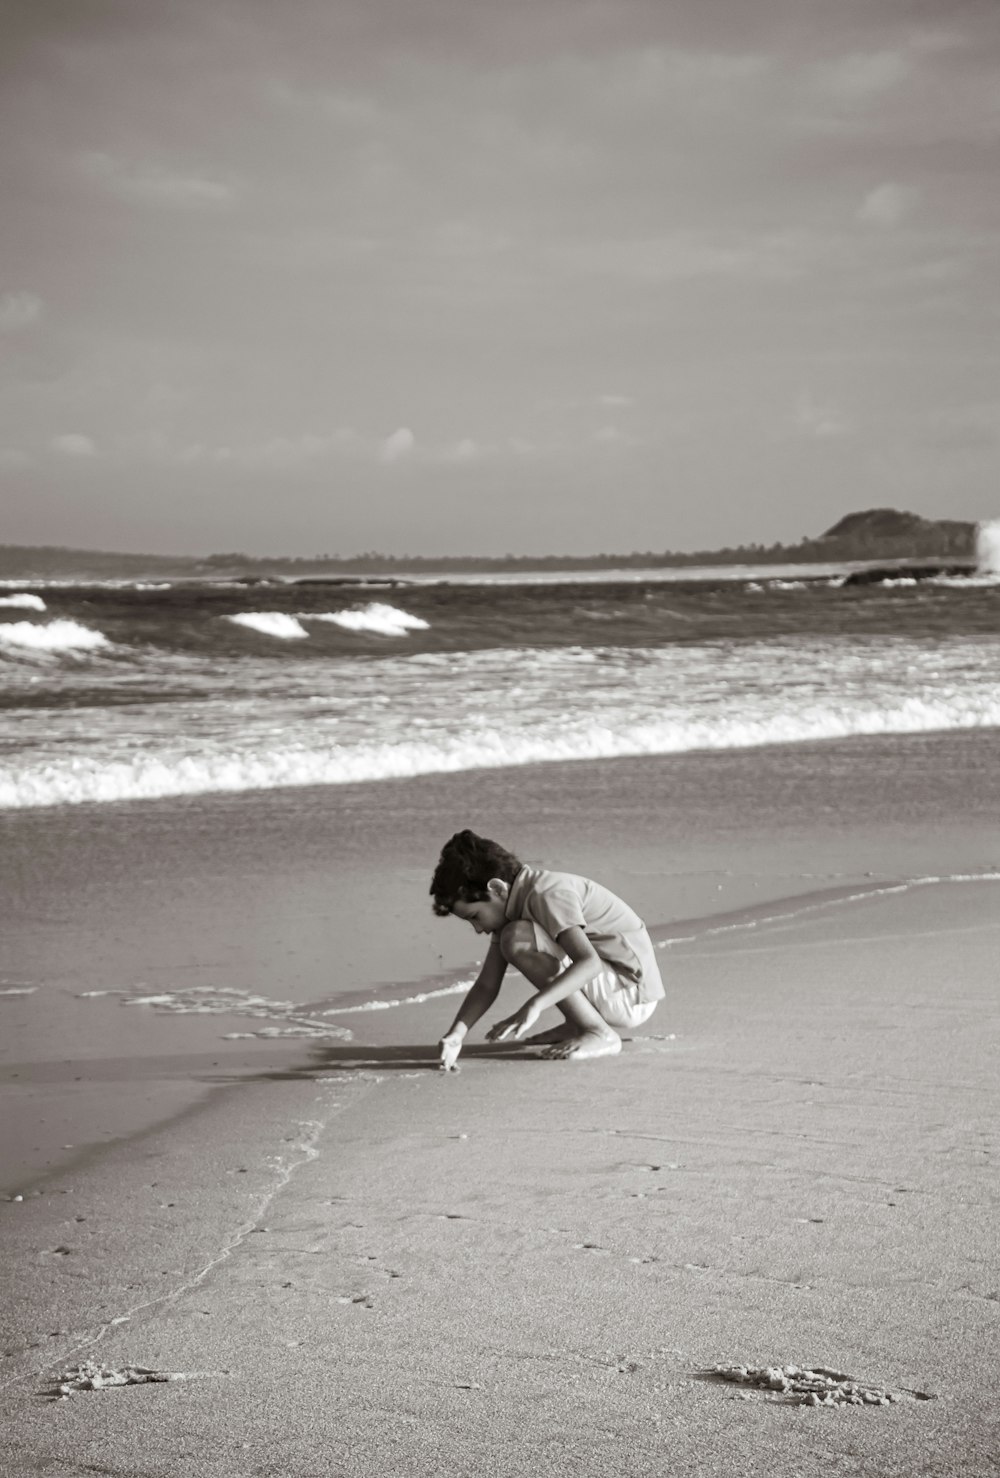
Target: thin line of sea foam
(306,1020)
(803,904)
(708,926)
(384,1003)
(284,1018)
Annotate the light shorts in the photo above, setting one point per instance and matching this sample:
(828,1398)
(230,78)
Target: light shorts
(616,999)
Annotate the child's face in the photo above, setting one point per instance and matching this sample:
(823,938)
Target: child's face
(486,915)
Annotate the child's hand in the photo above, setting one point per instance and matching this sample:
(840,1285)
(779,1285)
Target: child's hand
(517,1025)
(451,1046)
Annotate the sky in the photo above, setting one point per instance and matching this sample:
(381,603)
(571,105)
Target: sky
(448,276)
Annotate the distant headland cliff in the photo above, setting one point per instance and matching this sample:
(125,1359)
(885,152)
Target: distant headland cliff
(874,534)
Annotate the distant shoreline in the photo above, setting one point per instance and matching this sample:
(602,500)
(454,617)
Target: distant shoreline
(77,566)
(853,571)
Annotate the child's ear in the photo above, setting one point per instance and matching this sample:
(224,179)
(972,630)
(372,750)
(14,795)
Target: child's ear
(497,888)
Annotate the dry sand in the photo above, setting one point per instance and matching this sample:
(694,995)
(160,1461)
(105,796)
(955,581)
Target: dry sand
(361,1266)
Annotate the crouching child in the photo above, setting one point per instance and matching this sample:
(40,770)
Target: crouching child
(583,949)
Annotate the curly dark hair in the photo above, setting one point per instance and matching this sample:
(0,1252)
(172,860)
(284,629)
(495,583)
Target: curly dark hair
(466,864)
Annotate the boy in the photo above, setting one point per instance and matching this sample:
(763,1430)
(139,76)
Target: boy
(579,945)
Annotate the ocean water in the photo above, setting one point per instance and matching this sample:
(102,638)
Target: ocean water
(113,691)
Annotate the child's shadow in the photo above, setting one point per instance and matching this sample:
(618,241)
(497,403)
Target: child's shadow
(393,1059)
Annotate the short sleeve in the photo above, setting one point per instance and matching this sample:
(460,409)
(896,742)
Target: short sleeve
(557,909)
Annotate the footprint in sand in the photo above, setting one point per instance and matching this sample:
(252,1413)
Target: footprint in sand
(372,1257)
(651,1169)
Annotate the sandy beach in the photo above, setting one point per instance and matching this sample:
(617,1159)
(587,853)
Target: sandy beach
(352,1264)
(574,425)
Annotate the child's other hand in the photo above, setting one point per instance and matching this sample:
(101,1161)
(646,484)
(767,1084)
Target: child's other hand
(450,1046)
(515,1026)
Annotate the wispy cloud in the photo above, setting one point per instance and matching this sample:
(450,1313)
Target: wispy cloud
(685,79)
(814,419)
(73,444)
(887,205)
(684,255)
(403,444)
(276,453)
(398,445)
(863,76)
(18,309)
(554,236)
(151,184)
(342,105)
(290,454)
(466,450)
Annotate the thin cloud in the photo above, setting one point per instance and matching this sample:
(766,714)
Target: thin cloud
(280,453)
(18,309)
(343,105)
(150,184)
(615,439)
(72,444)
(466,450)
(933,42)
(397,446)
(813,419)
(294,451)
(694,80)
(887,205)
(863,75)
(686,255)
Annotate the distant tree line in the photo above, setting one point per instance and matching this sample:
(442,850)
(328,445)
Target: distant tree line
(880,533)
(875,534)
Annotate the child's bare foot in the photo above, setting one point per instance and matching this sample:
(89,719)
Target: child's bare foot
(554,1034)
(587,1044)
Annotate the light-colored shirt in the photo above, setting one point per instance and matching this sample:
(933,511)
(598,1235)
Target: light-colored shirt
(564,900)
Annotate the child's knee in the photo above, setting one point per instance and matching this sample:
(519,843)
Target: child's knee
(527,947)
(517,938)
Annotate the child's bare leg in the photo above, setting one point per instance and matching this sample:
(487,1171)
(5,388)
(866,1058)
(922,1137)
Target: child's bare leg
(584,1032)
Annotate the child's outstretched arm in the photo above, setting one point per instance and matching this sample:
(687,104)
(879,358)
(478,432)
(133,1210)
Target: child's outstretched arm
(479,1000)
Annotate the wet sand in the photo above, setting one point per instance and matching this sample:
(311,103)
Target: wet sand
(367,1267)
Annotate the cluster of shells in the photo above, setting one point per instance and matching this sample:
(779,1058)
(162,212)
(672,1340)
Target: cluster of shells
(93,1377)
(808,1386)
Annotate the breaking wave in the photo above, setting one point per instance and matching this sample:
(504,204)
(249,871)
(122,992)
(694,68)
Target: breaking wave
(50,636)
(177,771)
(23,601)
(271,623)
(384,619)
